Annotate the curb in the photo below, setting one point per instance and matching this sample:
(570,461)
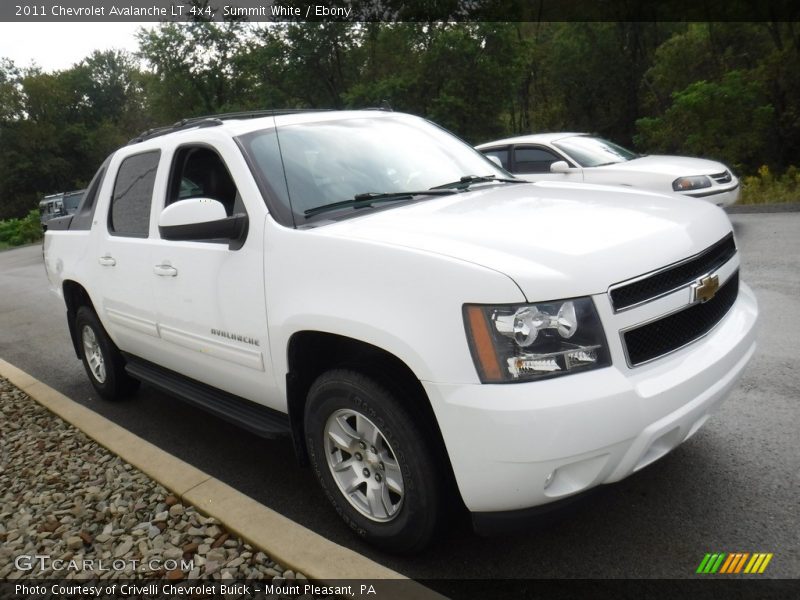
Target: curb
(777,207)
(285,541)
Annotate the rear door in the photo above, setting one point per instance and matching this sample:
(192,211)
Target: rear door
(120,268)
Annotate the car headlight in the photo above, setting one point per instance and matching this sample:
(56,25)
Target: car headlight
(696,182)
(522,342)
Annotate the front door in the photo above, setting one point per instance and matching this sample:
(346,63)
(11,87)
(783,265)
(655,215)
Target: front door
(210,302)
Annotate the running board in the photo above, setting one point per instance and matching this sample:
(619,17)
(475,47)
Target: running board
(260,420)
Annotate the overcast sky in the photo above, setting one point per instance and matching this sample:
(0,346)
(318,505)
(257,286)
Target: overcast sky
(55,46)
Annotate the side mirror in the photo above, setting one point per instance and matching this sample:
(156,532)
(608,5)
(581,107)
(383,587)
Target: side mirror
(202,219)
(560,166)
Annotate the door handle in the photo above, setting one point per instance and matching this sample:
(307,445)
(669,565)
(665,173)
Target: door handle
(107,261)
(165,270)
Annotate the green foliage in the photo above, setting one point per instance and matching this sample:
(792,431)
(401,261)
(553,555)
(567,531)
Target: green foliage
(587,75)
(766,188)
(703,52)
(729,91)
(66,123)
(17,232)
(724,120)
(725,90)
(195,68)
(10,91)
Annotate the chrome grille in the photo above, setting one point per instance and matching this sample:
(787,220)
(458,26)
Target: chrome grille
(669,279)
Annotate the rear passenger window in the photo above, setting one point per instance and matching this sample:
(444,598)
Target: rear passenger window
(129,214)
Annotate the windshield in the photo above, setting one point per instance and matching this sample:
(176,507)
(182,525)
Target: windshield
(590,151)
(309,165)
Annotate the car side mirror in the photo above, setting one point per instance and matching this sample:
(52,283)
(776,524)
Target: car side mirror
(560,166)
(202,219)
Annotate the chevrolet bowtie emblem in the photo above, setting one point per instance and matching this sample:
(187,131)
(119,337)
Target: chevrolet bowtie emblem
(704,289)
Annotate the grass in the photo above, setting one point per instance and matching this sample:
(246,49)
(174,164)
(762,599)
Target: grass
(18,232)
(768,188)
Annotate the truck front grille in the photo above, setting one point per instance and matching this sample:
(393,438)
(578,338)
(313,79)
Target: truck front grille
(672,278)
(670,333)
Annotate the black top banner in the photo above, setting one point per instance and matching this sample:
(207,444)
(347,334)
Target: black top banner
(397,10)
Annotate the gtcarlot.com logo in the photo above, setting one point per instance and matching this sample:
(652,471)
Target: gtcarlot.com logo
(733,563)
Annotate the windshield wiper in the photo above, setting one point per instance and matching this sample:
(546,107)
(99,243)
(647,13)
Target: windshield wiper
(367,199)
(468,180)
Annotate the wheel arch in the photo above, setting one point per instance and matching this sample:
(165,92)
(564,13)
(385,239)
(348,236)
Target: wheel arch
(311,353)
(75,296)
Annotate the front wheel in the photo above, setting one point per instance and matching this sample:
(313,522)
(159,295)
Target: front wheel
(373,462)
(102,360)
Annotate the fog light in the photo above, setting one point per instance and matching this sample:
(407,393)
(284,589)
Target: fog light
(548,480)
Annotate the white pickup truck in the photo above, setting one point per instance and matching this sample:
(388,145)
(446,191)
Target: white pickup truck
(426,328)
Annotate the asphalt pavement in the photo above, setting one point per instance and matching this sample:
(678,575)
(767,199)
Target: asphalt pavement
(734,487)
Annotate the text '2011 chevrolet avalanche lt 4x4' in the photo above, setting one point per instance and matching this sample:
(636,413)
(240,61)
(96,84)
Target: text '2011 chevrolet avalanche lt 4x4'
(422,325)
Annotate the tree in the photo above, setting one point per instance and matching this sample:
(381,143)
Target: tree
(196,68)
(10,92)
(726,90)
(60,126)
(729,120)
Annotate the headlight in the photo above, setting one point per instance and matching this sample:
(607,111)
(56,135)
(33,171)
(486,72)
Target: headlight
(533,341)
(681,184)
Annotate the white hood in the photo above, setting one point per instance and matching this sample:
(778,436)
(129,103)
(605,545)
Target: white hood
(673,166)
(554,239)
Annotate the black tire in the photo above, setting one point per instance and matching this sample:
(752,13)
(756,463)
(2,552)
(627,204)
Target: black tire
(113,383)
(411,527)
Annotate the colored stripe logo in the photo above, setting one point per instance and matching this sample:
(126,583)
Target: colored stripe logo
(734,563)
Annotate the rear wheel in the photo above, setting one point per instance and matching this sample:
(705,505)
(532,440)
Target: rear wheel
(103,362)
(373,462)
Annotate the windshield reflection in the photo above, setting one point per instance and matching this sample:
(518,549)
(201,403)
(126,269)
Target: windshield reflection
(333,160)
(589,151)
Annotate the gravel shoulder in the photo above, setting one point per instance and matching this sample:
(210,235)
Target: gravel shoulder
(66,497)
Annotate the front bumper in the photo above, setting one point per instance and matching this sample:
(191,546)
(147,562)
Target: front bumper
(515,446)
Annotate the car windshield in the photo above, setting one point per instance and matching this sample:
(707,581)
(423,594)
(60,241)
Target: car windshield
(589,151)
(311,165)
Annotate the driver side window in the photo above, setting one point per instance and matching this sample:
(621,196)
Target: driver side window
(199,172)
(532,159)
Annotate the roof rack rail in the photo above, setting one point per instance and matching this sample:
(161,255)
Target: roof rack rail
(383,106)
(215,120)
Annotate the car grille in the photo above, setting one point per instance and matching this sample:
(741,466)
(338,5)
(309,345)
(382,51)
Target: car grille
(657,338)
(674,277)
(724,177)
